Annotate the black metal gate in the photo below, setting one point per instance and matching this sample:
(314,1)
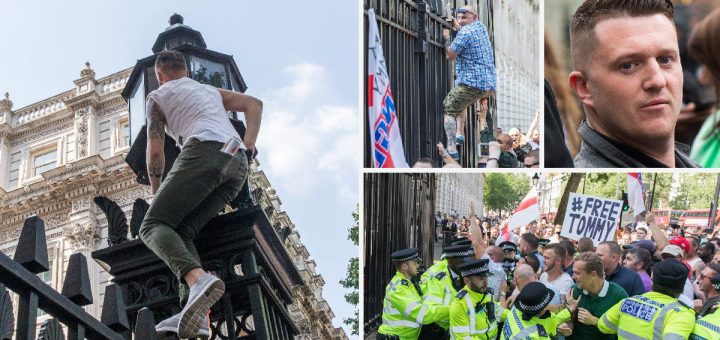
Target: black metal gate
(421,76)
(398,213)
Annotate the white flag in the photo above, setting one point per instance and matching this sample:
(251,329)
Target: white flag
(385,140)
(635,193)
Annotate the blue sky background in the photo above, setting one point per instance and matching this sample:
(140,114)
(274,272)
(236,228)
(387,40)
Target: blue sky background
(299,57)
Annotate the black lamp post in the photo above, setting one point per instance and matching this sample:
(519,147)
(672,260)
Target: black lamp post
(535,179)
(204,65)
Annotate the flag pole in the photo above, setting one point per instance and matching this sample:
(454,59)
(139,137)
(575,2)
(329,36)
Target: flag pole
(652,193)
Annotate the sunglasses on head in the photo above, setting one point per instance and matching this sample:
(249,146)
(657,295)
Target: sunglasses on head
(462,11)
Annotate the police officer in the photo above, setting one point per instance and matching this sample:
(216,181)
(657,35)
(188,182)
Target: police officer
(441,285)
(403,310)
(474,313)
(530,315)
(657,312)
(707,327)
(510,259)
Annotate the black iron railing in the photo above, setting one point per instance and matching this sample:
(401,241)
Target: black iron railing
(20,276)
(398,213)
(421,76)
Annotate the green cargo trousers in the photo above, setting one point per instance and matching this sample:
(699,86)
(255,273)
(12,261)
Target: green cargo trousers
(202,180)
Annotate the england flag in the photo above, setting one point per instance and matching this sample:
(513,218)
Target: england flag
(635,193)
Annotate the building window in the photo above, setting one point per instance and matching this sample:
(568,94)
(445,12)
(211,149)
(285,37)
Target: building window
(47,276)
(123,134)
(70,147)
(105,134)
(14,174)
(44,161)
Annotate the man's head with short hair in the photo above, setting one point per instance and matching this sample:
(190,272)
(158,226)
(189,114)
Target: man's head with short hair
(628,74)
(569,248)
(495,253)
(170,65)
(505,142)
(528,243)
(588,270)
(424,162)
(707,275)
(554,257)
(610,253)
(523,275)
(637,260)
(466,15)
(585,244)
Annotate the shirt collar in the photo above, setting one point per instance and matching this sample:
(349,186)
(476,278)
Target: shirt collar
(603,291)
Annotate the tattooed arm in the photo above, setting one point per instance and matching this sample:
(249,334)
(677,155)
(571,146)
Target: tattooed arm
(155,143)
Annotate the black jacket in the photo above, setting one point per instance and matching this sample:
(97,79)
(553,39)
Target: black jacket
(598,151)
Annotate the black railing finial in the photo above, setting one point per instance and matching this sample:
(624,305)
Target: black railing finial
(113,312)
(31,250)
(145,326)
(77,281)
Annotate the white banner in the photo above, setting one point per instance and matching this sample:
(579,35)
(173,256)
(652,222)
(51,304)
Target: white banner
(385,140)
(590,216)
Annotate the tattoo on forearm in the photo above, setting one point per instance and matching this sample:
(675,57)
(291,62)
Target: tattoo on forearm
(155,171)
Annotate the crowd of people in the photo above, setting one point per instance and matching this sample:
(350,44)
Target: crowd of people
(649,282)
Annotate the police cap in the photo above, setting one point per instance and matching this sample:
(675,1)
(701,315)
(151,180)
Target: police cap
(475,267)
(405,255)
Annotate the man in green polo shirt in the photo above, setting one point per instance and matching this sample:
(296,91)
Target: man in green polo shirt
(592,296)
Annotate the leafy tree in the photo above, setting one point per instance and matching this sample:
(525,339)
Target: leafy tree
(505,191)
(352,278)
(571,186)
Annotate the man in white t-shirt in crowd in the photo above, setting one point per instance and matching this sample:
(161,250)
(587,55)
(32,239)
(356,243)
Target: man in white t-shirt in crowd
(553,274)
(692,257)
(205,176)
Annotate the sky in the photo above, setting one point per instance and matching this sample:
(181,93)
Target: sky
(299,57)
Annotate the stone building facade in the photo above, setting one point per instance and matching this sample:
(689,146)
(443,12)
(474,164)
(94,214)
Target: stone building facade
(57,154)
(456,191)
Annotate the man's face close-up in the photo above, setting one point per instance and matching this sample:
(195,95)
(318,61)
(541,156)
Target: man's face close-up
(635,79)
(464,17)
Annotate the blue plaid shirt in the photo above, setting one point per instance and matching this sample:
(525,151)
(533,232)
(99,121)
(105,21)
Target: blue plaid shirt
(475,63)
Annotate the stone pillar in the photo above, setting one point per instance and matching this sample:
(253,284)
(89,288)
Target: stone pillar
(4,159)
(81,133)
(82,233)
(5,131)
(93,136)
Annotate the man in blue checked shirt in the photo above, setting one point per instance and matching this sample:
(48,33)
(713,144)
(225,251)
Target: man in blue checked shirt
(475,70)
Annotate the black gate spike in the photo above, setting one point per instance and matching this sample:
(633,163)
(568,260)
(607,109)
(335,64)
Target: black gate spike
(31,250)
(77,281)
(145,325)
(113,311)
(7,318)
(51,330)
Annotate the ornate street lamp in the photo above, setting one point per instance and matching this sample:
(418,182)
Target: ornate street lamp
(204,65)
(535,179)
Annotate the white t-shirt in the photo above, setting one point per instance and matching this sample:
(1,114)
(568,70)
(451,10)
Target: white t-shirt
(562,283)
(693,261)
(193,110)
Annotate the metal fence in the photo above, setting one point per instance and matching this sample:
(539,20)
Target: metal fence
(19,275)
(420,74)
(398,213)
